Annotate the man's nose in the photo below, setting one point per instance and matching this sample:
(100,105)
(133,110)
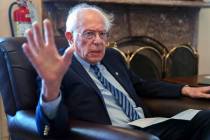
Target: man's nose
(97,37)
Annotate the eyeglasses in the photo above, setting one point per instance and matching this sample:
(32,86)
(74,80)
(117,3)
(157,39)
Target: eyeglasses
(90,35)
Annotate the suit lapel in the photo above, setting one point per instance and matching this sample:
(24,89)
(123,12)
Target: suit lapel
(116,73)
(86,79)
(119,74)
(82,73)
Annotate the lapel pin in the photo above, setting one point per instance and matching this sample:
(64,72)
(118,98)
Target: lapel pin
(116,73)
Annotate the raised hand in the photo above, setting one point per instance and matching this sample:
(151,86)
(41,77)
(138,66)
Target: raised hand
(43,55)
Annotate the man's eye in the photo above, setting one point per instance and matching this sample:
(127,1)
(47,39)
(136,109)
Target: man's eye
(103,33)
(89,33)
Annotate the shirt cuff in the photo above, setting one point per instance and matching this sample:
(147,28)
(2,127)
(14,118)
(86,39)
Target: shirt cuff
(50,108)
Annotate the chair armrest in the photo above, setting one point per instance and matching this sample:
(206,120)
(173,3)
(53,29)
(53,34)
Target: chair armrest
(169,107)
(86,131)
(22,126)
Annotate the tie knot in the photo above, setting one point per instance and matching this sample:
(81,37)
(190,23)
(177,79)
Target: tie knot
(95,68)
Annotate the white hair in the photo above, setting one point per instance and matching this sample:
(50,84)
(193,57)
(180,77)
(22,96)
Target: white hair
(71,23)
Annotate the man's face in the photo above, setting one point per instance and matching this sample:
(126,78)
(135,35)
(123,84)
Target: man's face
(91,37)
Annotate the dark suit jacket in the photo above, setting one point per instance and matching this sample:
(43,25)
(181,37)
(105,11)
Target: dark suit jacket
(81,99)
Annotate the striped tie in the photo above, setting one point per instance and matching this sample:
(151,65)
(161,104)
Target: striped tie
(120,98)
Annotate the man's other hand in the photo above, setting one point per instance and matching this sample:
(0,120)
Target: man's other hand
(196,92)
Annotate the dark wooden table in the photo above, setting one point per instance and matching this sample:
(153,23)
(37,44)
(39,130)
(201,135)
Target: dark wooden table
(192,80)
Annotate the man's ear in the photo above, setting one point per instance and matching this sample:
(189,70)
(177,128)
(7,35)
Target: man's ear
(69,37)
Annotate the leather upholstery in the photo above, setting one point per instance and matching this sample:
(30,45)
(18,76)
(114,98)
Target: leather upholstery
(19,92)
(15,73)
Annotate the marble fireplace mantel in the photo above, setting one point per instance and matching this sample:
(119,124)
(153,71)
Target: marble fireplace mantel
(170,3)
(172,22)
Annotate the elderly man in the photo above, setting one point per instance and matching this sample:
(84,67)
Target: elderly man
(92,83)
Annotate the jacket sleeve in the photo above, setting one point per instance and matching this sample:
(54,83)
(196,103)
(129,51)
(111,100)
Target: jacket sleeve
(155,88)
(56,127)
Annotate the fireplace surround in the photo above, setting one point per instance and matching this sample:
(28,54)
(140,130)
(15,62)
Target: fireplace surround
(169,22)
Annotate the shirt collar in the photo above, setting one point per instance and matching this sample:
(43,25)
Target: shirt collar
(85,64)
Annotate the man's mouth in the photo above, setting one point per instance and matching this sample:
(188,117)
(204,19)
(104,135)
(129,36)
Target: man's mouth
(95,53)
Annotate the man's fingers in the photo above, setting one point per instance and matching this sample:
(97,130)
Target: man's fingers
(38,35)
(67,56)
(31,42)
(48,32)
(29,53)
(206,89)
(203,95)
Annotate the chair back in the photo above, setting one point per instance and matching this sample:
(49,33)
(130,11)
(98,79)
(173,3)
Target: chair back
(18,86)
